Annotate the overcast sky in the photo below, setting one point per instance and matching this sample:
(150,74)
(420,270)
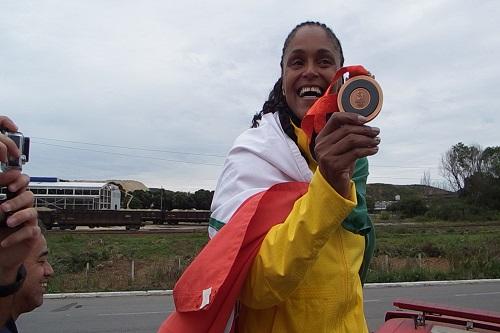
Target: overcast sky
(156,91)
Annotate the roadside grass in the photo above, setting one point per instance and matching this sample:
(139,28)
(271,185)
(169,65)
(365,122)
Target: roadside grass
(404,252)
(436,251)
(120,262)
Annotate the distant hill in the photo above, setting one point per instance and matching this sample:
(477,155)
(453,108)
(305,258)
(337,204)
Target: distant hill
(387,192)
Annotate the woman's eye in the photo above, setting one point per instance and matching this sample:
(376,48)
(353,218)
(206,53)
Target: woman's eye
(325,62)
(296,62)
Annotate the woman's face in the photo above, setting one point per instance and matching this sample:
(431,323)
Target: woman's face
(309,64)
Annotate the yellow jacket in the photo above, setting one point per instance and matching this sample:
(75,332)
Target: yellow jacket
(305,277)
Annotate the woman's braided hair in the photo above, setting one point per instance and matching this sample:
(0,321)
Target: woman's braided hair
(276,101)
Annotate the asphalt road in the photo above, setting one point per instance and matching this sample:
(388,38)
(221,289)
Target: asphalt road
(145,313)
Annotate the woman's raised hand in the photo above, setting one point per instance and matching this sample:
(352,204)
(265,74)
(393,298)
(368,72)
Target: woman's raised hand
(344,139)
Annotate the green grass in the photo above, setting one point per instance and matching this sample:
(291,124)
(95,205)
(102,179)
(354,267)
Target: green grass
(136,246)
(447,251)
(408,245)
(468,250)
(159,260)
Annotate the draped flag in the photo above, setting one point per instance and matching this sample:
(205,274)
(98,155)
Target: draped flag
(206,293)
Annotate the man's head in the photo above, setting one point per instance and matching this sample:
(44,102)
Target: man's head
(38,272)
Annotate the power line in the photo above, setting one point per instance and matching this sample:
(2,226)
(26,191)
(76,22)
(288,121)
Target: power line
(129,155)
(389,177)
(403,167)
(406,178)
(130,148)
(178,152)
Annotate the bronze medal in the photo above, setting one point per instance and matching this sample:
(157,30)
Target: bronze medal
(362,95)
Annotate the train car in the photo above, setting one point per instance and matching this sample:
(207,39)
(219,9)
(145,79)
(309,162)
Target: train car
(68,204)
(175,216)
(70,219)
(132,219)
(417,316)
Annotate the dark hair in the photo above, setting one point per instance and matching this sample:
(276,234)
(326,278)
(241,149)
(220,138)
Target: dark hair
(276,101)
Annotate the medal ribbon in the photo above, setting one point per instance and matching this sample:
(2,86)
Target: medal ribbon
(316,116)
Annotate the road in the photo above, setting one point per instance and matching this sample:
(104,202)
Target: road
(145,313)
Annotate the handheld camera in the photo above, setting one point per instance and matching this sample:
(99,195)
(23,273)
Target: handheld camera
(23,144)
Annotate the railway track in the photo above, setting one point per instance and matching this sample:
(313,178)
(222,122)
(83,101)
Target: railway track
(148,230)
(439,227)
(202,228)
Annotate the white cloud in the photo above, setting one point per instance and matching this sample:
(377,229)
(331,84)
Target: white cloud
(187,77)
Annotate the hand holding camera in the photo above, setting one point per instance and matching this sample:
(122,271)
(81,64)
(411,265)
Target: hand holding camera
(15,149)
(14,153)
(18,219)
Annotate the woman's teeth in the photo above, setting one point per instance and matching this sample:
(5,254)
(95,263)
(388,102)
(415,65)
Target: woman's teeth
(310,92)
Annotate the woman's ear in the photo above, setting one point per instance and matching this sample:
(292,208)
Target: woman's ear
(282,88)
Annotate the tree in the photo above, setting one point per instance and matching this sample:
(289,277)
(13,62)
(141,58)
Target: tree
(140,199)
(491,161)
(182,200)
(426,181)
(157,198)
(168,200)
(370,203)
(409,207)
(459,163)
(426,178)
(203,199)
(474,173)
(162,199)
(483,188)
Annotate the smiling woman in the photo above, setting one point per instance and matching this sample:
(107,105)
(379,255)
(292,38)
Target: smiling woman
(301,53)
(290,234)
(308,67)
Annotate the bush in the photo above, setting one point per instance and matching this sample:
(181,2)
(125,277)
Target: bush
(410,207)
(75,260)
(478,260)
(459,210)
(431,250)
(384,216)
(406,275)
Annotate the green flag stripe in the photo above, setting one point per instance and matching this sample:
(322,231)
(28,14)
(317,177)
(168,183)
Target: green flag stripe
(216,224)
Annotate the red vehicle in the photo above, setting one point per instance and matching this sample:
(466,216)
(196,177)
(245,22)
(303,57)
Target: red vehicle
(422,317)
